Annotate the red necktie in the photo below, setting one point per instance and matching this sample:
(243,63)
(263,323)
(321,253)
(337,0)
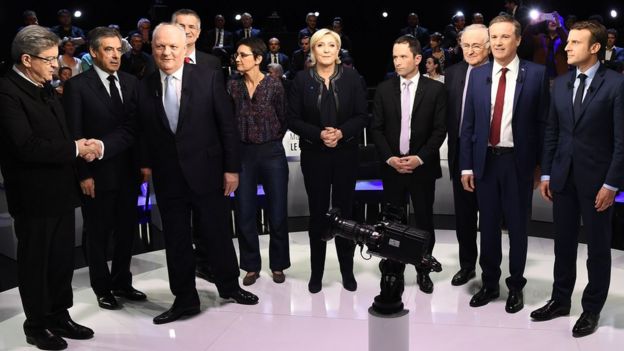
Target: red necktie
(497,116)
(187,60)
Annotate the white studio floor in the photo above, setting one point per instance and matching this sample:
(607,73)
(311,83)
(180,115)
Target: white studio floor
(288,317)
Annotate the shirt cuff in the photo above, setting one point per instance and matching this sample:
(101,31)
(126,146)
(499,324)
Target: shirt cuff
(545,177)
(420,160)
(77,152)
(467,172)
(609,187)
(388,160)
(102,146)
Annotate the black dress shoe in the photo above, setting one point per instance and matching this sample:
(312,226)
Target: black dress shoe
(463,276)
(551,310)
(107,301)
(67,328)
(44,339)
(241,296)
(174,313)
(424,282)
(205,273)
(515,301)
(349,282)
(484,296)
(315,285)
(586,324)
(130,294)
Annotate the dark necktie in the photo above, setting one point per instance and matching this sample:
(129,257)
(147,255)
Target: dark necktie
(247,35)
(275,58)
(497,116)
(114,93)
(578,98)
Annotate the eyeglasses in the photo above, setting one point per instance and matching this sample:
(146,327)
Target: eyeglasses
(242,54)
(47,60)
(475,47)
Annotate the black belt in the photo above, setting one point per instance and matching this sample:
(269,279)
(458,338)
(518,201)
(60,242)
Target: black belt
(499,150)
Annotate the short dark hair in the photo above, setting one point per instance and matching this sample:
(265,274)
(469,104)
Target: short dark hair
(507,18)
(62,12)
(186,12)
(412,42)
(597,30)
(61,69)
(97,33)
(612,31)
(257,45)
(28,13)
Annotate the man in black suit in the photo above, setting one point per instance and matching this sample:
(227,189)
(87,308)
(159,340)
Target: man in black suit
(582,169)
(100,104)
(409,126)
(218,41)
(136,61)
(191,145)
(37,156)
(475,48)
(310,27)
(275,56)
(416,30)
(299,58)
(190,22)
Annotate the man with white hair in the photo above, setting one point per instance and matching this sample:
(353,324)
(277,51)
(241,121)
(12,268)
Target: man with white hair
(192,149)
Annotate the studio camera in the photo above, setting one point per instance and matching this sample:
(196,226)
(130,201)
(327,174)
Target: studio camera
(388,238)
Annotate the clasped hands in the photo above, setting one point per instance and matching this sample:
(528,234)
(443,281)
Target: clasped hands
(331,136)
(404,164)
(89,149)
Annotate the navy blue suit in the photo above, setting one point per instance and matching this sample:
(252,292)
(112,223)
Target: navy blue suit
(504,182)
(581,153)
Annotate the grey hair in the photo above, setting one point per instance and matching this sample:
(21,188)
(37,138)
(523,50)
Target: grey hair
(186,12)
(98,33)
(277,66)
(143,20)
(482,28)
(166,24)
(32,40)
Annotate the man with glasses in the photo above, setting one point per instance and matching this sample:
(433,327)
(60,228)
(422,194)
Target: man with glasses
(476,48)
(37,156)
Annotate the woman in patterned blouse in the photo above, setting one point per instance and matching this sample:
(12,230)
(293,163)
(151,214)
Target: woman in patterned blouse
(259,107)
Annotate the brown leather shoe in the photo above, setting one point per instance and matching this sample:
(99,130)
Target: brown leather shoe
(250,278)
(279,277)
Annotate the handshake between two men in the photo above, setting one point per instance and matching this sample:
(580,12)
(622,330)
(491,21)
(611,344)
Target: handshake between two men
(90,149)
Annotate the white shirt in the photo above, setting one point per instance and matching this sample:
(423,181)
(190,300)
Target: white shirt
(104,78)
(192,56)
(177,82)
(506,137)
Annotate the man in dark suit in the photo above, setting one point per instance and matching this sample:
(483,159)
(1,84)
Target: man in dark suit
(416,30)
(582,169)
(476,49)
(218,41)
(499,153)
(37,156)
(275,56)
(310,28)
(614,56)
(409,126)
(136,61)
(100,104)
(299,58)
(191,145)
(190,22)
(247,30)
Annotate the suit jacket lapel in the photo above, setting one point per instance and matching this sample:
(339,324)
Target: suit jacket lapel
(156,87)
(396,97)
(519,85)
(99,90)
(591,91)
(569,93)
(187,75)
(420,92)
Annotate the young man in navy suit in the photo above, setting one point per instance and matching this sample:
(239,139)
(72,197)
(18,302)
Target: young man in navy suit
(504,116)
(582,169)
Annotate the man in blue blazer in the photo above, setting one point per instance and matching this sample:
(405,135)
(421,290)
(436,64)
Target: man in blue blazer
(504,116)
(583,166)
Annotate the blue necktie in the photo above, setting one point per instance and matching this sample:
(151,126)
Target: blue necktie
(172,106)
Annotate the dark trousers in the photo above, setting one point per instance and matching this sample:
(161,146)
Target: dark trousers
(265,163)
(465,204)
(45,266)
(397,186)
(501,191)
(569,206)
(329,175)
(210,216)
(110,213)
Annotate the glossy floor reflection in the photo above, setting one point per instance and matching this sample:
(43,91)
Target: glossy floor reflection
(290,318)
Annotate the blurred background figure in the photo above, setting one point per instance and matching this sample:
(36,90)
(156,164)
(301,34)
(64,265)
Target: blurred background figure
(416,30)
(613,56)
(433,69)
(67,59)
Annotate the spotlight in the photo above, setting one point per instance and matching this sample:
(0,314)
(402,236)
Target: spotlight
(316,14)
(237,17)
(384,14)
(613,14)
(77,13)
(459,14)
(534,14)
